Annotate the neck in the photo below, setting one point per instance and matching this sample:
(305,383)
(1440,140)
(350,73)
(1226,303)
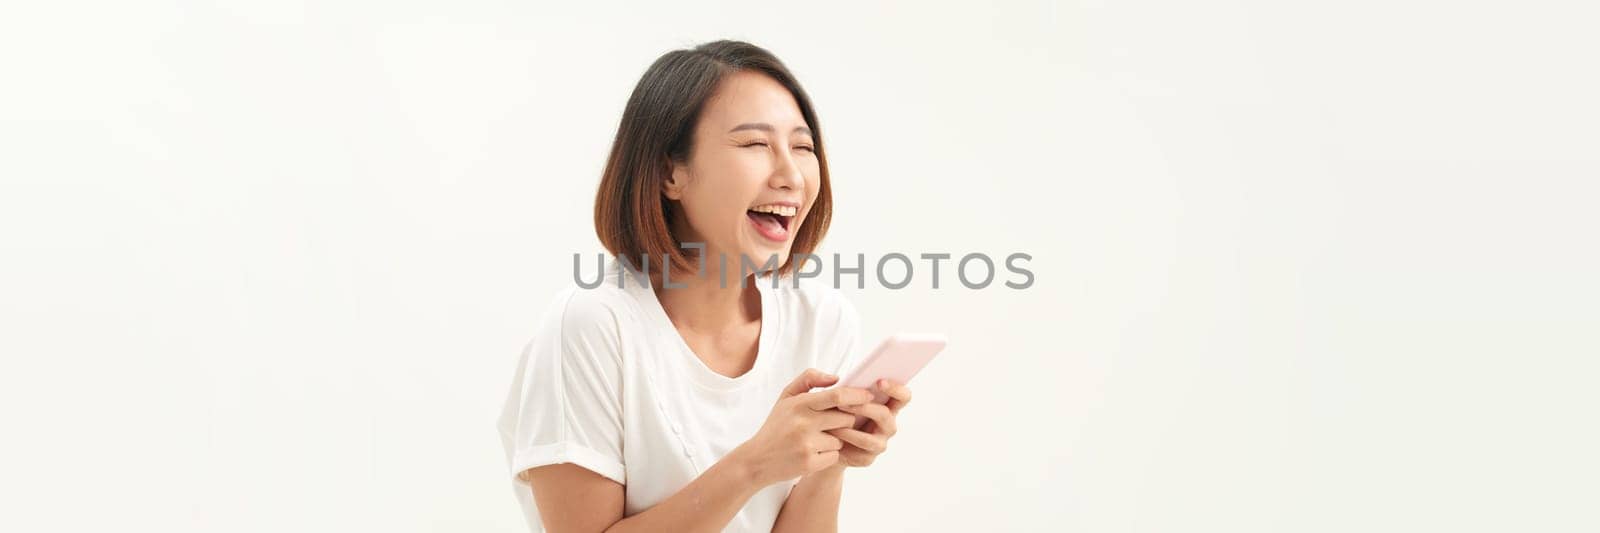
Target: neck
(703,304)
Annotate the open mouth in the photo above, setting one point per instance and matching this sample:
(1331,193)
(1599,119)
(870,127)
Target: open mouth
(769,219)
(772,221)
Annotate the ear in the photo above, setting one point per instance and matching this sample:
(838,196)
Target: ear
(676,180)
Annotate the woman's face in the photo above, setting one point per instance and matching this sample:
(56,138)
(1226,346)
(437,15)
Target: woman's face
(751,175)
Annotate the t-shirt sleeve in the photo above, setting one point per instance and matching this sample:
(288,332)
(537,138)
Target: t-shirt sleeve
(565,405)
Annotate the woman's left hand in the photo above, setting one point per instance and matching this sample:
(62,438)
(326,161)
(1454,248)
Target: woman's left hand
(862,446)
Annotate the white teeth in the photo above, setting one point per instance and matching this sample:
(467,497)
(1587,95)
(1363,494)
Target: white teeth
(780,210)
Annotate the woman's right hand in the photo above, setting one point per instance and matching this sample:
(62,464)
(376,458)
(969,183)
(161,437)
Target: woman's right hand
(792,442)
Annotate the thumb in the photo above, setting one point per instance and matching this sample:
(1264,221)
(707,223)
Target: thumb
(807,380)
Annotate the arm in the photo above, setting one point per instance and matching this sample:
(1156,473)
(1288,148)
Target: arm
(813,505)
(574,499)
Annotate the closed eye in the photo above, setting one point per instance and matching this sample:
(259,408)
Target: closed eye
(805,147)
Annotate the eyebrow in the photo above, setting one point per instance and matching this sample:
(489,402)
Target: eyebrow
(767,128)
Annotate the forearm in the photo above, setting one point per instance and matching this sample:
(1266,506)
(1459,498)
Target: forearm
(813,504)
(706,504)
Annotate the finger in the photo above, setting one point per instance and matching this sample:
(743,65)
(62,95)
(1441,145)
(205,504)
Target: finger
(833,418)
(823,400)
(899,394)
(878,413)
(825,442)
(861,439)
(808,380)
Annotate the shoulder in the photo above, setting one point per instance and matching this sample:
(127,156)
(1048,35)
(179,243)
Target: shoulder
(825,322)
(817,299)
(580,319)
(600,307)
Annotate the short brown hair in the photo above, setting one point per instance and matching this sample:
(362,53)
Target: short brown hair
(631,216)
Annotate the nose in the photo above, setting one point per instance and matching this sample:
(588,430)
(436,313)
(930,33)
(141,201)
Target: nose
(787,174)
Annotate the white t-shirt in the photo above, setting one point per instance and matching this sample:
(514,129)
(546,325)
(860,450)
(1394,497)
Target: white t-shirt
(608,384)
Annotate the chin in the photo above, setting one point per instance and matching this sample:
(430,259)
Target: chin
(759,255)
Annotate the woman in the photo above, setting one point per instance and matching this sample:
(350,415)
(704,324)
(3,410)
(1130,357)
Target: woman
(677,394)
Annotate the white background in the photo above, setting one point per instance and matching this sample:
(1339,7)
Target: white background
(1300,266)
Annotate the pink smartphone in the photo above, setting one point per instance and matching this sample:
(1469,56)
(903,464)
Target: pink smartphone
(897,359)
